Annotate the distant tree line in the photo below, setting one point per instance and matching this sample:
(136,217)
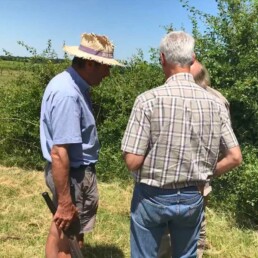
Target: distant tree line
(26,59)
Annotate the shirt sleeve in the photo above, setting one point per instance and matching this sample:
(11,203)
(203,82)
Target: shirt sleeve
(65,121)
(228,138)
(137,133)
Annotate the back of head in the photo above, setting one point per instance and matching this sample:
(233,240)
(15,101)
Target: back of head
(178,48)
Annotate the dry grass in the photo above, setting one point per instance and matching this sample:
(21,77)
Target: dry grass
(24,217)
(24,221)
(227,240)
(7,76)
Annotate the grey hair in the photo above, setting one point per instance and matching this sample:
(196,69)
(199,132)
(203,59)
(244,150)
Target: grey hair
(178,48)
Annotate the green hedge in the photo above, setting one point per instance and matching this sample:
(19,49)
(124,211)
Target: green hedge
(228,47)
(238,190)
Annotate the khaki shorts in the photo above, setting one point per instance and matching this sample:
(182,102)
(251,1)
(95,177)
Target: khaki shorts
(84,193)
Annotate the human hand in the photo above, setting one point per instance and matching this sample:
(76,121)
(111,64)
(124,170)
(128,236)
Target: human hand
(64,215)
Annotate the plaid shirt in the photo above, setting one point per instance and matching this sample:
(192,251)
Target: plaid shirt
(179,128)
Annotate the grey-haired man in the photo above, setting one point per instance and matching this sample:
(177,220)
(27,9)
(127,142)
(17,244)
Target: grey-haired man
(171,144)
(202,78)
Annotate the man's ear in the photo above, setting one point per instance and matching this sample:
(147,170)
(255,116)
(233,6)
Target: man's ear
(162,59)
(193,59)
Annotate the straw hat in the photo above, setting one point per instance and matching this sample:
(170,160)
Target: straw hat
(94,47)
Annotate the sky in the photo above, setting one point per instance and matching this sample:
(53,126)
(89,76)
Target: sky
(130,24)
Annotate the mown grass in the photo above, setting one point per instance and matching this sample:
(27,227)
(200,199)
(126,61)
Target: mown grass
(9,71)
(24,217)
(11,64)
(24,221)
(7,76)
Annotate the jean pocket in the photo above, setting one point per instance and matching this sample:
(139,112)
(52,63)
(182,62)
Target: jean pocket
(192,211)
(145,211)
(190,198)
(149,214)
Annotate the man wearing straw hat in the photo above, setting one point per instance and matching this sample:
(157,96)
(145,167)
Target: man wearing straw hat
(69,139)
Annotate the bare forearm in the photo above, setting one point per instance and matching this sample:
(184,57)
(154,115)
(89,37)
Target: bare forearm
(66,211)
(231,160)
(223,166)
(60,172)
(133,162)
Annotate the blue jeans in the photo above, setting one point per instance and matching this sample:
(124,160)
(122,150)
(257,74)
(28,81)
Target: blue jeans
(154,209)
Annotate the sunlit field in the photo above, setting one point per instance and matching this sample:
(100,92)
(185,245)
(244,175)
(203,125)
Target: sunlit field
(24,221)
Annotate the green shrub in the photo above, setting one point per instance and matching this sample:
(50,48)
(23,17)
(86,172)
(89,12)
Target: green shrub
(113,101)
(228,47)
(20,109)
(237,190)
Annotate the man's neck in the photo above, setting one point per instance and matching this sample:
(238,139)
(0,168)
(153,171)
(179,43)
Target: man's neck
(83,74)
(176,69)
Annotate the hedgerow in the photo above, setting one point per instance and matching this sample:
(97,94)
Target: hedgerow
(228,48)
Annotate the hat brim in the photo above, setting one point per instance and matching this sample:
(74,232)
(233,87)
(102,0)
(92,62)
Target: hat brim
(75,51)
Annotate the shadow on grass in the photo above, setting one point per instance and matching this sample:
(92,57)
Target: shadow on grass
(102,251)
(246,221)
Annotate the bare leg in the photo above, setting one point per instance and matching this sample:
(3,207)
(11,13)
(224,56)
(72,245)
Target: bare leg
(80,239)
(57,245)
(202,239)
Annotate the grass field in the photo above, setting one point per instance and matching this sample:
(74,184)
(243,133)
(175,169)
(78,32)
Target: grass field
(7,76)
(8,73)
(24,217)
(24,221)
(10,65)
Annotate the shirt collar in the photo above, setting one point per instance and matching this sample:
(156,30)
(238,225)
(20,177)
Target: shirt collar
(180,76)
(82,85)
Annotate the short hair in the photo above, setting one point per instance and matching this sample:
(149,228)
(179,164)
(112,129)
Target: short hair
(202,78)
(80,63)
(178,48)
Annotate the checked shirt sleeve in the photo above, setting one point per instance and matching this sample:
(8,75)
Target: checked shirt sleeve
(228,138)
(136,136)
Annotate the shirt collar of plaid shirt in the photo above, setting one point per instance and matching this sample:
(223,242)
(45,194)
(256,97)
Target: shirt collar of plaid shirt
(180,76)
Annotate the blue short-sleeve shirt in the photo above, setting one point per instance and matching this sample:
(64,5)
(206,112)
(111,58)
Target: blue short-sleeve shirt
(67,118)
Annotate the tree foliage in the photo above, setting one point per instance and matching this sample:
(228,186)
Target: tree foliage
(20,108)
(228,48)
(113,101)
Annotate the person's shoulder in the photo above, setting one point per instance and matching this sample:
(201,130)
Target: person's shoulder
(217,94)
(61,85)
(60,78)
(151,93)
(219,100)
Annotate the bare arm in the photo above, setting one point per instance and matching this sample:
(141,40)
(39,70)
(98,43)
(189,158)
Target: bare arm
(232,159)
(60,171)
(133,161)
